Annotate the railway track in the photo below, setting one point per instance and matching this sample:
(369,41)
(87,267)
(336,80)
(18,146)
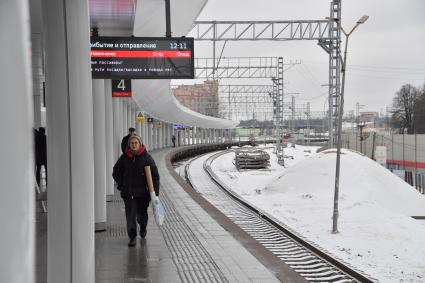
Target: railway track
(304,257)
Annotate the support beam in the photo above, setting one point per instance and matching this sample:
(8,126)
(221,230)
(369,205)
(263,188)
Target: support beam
(37,75)
(149,137)
(70,162)
(260,30)
(124,117)
(333,48)
(138,126)
(159,135)
(17,219)
(109,137)
(99,154)
(117,126)
(236,67)
(325,31)
(129,113)
(245,89)
(144,132)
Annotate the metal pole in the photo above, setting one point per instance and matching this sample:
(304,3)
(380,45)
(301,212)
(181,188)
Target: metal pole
(404,168)
(308,122)
(279,97)
(357,114)
(373,145)
(167,19)
(214,36)
(99,131)
(355,136)
(230,109)
(293,114)
(392,146)
(416,152)
(338,151)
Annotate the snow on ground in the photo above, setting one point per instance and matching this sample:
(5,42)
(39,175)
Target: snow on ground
(376,233)
(243,180)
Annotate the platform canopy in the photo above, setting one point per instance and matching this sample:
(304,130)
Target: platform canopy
(146,18)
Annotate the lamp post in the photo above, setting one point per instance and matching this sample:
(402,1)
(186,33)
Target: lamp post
(358,107)
(341,110)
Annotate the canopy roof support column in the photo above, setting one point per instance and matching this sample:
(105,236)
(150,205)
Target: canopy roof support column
(99,153)
(17,178)
(69,104)
(109,116)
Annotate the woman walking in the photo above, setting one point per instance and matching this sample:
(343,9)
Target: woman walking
(129,174)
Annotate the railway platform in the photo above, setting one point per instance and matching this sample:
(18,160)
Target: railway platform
(196,243)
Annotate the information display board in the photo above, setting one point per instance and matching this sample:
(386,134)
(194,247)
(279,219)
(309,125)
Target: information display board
(142,58)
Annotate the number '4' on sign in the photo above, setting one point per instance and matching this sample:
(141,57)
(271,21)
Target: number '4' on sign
(121,88)
(121,85)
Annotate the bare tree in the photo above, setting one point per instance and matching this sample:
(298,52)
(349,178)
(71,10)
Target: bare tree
(419,112)
(403,105)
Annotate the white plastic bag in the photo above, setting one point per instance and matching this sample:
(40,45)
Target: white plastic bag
(158,209)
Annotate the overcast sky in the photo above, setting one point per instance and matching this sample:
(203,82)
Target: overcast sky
(383,54)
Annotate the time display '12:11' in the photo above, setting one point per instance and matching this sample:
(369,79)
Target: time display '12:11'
(178,45)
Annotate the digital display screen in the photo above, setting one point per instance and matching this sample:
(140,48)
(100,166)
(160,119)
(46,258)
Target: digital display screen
(142,57)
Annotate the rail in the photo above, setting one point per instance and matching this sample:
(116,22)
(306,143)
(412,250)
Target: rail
(324,270)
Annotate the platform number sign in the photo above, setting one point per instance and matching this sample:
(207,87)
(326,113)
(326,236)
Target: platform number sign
(121,88)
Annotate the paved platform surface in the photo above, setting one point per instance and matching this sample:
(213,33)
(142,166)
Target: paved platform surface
(191,246)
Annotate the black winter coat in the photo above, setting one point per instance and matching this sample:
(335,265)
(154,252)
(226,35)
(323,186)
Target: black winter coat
(129,174)
(124,143)
(40,149)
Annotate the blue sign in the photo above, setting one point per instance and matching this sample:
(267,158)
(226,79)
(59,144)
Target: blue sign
(179,126)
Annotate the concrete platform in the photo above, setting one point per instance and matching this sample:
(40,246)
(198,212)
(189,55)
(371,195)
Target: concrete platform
(191,246)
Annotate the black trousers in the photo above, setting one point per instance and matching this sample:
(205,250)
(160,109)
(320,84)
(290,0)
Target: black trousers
(136,211)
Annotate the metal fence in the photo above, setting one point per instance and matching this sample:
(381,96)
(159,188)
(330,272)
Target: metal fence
(404,151)
(416,180)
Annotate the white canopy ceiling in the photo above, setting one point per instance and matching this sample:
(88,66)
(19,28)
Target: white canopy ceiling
(147,18)
(154,96)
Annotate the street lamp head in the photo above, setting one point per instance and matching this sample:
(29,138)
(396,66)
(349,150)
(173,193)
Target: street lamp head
(363,19)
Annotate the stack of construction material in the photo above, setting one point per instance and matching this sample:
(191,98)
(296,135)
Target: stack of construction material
(252,159)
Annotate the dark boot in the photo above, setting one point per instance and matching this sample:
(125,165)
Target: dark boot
(143,233)
(132,242)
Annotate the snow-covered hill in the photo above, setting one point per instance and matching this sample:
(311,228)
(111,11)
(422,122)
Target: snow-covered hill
(376,233)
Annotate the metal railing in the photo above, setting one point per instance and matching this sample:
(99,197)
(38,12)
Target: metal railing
(416,180)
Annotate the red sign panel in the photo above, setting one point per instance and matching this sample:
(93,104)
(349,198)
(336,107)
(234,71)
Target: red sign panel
(140,54)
